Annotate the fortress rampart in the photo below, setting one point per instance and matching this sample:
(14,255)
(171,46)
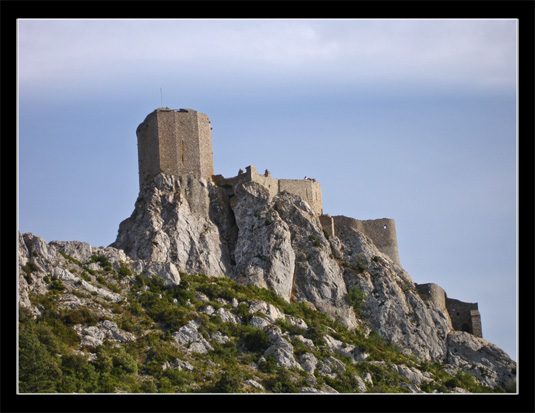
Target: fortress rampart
(381,231)
(432,293)
(308,189)
(463,316)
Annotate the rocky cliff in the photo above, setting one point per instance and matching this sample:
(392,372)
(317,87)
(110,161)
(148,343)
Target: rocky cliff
(380,328)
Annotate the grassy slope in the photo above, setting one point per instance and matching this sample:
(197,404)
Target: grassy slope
(50,360)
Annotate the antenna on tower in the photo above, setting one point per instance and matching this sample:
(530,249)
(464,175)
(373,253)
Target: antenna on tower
(161,97)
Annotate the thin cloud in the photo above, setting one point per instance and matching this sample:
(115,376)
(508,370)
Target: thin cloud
(349,51)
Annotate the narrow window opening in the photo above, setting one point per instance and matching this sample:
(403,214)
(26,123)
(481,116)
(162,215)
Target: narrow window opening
(384,226)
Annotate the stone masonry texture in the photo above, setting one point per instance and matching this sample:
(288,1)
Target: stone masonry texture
(464,316)
(175,142)
(381,231)
(309,190)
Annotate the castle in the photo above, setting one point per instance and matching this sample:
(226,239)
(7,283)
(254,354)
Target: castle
(179,143)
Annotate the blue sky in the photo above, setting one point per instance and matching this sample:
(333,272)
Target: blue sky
(414,120)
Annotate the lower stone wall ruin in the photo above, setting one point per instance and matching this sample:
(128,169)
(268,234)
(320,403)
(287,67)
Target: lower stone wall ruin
(381,231)
(432,293)
(463,316)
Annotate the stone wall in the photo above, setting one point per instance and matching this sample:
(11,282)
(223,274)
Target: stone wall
(309,190)
(381,231)
(175,142)
(148,149)
(266,180)
(464,316)
(327,222)
(432,293)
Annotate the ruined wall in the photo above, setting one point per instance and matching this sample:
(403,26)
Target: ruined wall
(266,180)
(381,231)
(176,143)
(432,293)
(327,222)
(464,316)
(307,189)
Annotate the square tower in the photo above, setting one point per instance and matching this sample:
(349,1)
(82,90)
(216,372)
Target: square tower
(175,142)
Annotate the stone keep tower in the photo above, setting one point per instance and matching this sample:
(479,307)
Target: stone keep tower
(175,142)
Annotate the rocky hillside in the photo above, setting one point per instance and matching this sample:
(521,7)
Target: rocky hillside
(211,289)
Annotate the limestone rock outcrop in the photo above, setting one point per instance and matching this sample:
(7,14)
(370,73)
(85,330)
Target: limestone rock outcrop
(274,243)
(95,335)
(171,223)
(263,253)
(186,225)
(278,243)
(489,363)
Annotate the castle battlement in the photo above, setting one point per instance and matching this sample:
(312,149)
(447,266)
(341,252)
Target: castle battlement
(308,189)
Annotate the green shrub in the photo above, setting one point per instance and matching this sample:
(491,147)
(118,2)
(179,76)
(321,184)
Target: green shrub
(266,295)
(228,383)
(47,337)
(176,377)
(38,370)
(346,382)
(80,316)
(282,383)
(268,364)
(56,287)
(164,311)
(315,332)
(466,381)
(30,267)
(148,386)
(124,271)
(355,298)
(256,341)
(102,261)
(214,290)
(123,363)
(315,241)
(78,375)
(165,386)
